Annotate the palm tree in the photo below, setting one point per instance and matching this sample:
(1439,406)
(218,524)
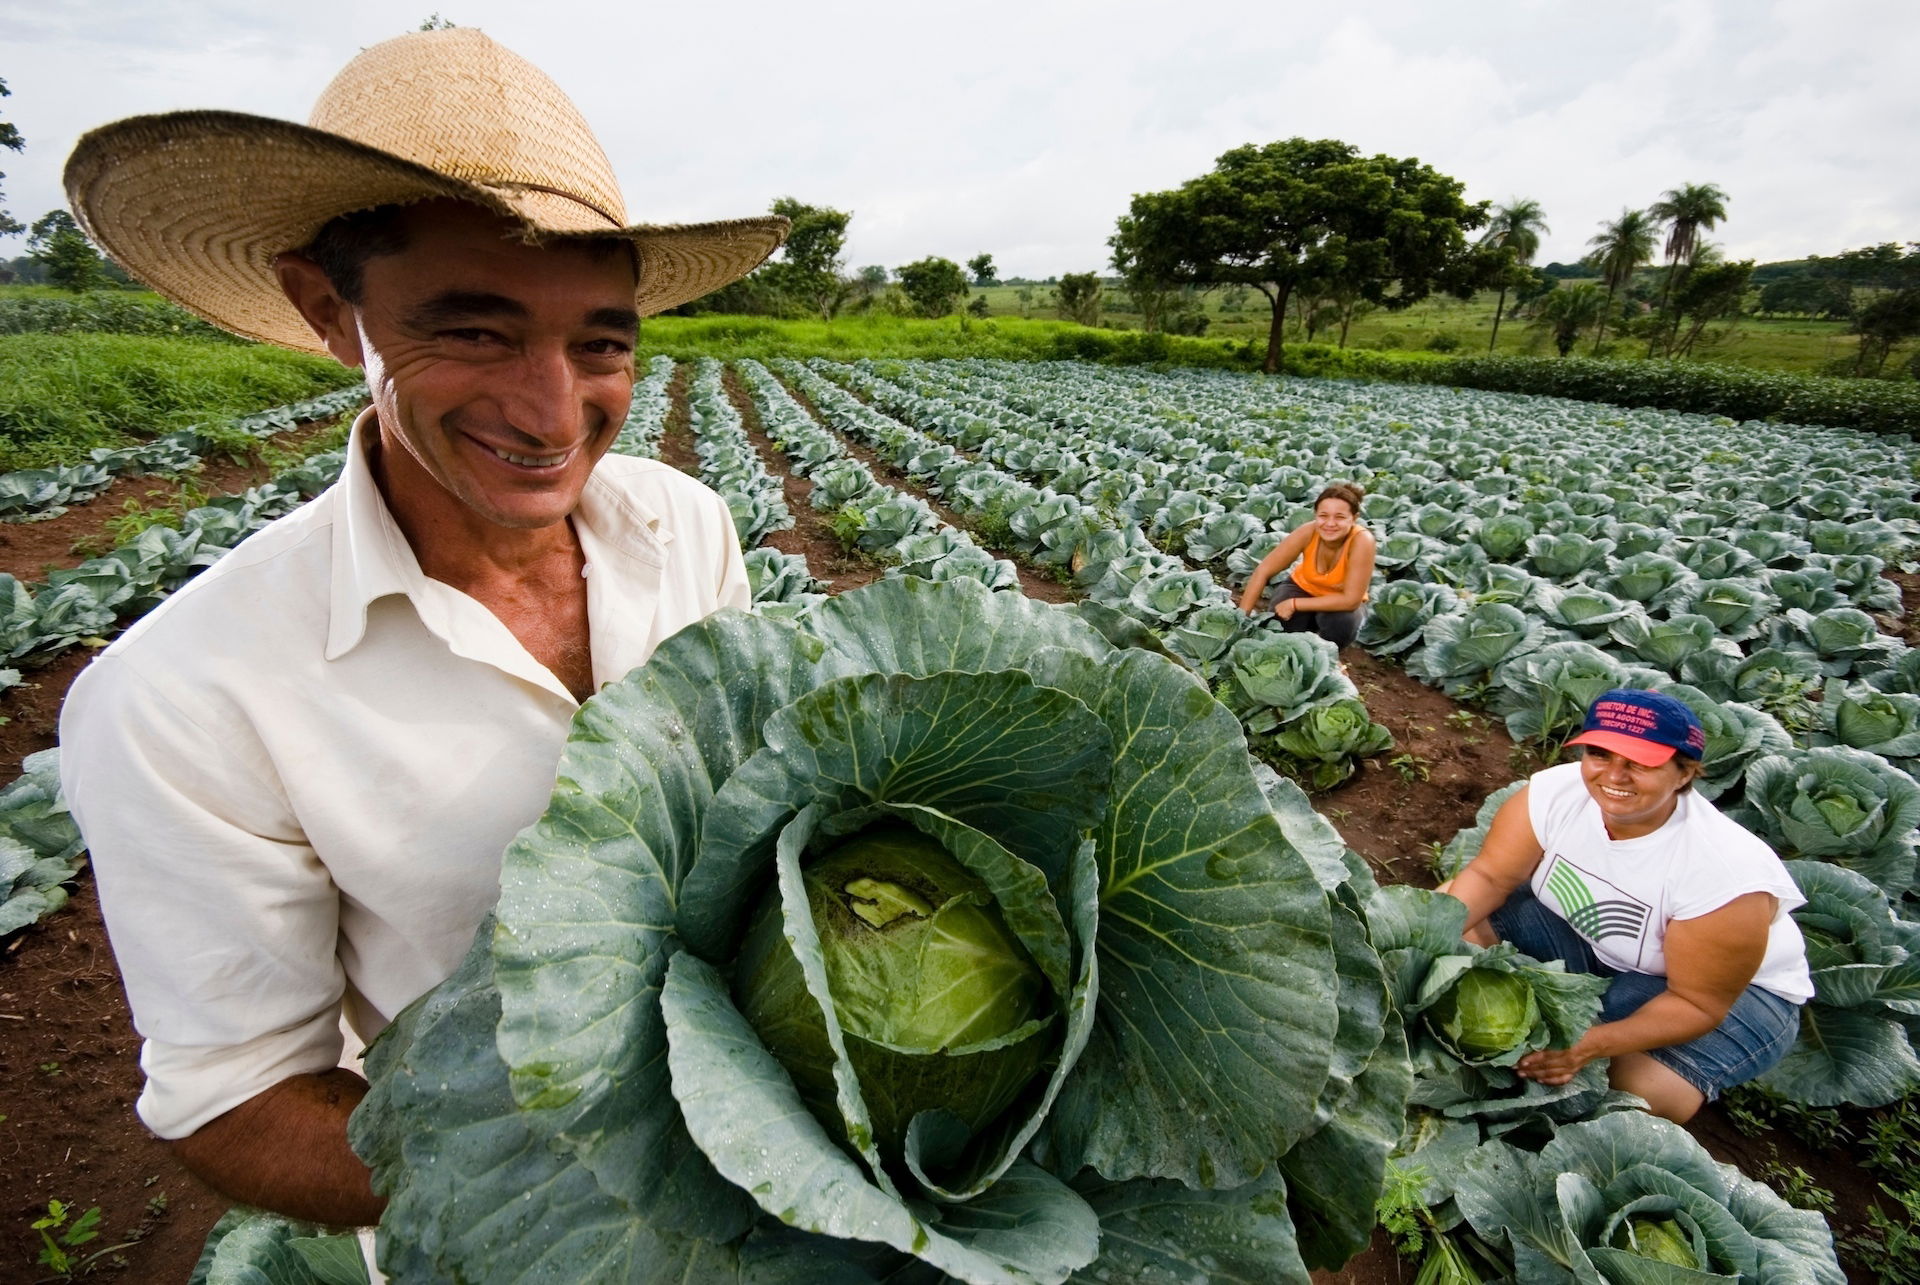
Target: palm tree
(1563,313)
(1688,211)
(1516,227)
(1622,246)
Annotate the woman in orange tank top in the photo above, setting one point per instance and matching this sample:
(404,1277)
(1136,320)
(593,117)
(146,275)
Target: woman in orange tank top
(1332,565)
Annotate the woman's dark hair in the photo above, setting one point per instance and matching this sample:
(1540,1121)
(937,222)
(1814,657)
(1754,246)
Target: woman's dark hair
(1346,491)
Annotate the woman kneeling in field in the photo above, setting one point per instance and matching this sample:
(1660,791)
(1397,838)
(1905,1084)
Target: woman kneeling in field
(1614,865)
(1326,593)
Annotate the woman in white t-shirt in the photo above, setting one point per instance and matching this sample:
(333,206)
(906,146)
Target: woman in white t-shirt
(1614,865)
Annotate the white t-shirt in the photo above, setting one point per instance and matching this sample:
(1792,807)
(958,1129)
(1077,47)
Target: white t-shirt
(298,775)
(1620,894)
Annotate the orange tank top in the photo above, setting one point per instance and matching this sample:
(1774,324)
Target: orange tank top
(1316,583)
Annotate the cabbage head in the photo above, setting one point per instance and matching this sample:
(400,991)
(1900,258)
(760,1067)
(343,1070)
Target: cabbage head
(1461,652)
(853,949)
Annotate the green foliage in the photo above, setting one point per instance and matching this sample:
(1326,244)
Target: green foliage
(1889,1249)
(934,285)
(1079,297)
(982,270)
(10,139)
(1880,406)
(57,243)
(118,312)
(1309,214)
(809,268)
(63,395)
(1100,803)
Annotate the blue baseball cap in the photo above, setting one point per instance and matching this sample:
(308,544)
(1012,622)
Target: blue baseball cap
(1647,727)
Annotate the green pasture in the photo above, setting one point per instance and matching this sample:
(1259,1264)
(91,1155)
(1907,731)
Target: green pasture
(1787,344)
(62,395)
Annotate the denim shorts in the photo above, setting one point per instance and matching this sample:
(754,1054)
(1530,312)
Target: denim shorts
(1756,1033)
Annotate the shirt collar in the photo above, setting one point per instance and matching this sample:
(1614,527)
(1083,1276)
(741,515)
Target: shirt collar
(372,559)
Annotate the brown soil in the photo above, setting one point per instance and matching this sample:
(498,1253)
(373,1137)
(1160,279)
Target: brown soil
(28,550)
(1034,582)
(68,1056)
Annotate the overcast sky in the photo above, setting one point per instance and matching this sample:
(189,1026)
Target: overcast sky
(1023,128)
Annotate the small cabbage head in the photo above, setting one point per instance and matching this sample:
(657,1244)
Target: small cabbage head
(1486,1014)
(941,1005)
(1661,1239)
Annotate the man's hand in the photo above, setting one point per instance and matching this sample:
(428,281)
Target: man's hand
(285,1150)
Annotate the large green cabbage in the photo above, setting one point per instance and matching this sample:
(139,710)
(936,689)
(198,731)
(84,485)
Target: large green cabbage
(611,1087)
(1632,1198)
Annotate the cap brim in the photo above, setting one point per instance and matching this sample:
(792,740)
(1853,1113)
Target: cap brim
(197,205)
(1645,753)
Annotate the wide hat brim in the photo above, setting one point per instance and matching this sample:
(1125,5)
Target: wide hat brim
(198,204)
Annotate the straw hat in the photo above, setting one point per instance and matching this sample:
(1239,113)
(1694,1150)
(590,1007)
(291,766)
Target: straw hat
(197,204)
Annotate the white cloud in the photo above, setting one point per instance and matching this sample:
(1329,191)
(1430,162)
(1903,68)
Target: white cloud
(1022,128)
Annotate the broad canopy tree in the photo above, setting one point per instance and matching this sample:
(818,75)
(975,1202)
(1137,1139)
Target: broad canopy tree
(935,285)
(1309,213)
(809,268)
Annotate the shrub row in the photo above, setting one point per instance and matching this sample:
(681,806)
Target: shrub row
(107,312)
(1878,406)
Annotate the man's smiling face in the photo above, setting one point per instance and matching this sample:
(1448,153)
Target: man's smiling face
(500,371)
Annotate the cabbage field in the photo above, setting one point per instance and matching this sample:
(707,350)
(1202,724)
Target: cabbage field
(1199,1041)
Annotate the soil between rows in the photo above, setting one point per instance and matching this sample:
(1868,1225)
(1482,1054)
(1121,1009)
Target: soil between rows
(68,1056)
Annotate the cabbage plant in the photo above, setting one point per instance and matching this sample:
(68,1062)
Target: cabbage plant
(1737,734)
(1630,1197)
(1843,640)
(1460,652)
(1399,610)
(1323,743)
(1853,1046)
(1862,718)
(863,947)
(1840,805)
(1275,677)
(1544,694)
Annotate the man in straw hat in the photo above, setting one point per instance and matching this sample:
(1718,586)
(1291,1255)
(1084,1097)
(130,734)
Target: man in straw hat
(297,776)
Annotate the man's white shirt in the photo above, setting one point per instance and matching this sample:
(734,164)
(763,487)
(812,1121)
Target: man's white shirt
(297,776)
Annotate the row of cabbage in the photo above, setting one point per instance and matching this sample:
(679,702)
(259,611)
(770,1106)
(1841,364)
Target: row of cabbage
(903,531)
(39,494)
(1288,689)
(1827,779)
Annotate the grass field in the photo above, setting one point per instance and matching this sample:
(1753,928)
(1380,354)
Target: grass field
(63,395)
(1800,345)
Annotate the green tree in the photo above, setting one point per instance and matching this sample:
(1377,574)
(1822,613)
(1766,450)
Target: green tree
(1618,252)
(1311,212)
(1562,314)
(981,267)
(809,269)
(1080,298)
(1514,231)
(1709,292)
(1152,282)
(10,139)
(57,243)
(1687,211)
(934,285)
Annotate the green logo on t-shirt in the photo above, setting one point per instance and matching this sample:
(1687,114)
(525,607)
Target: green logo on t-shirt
(1594,917)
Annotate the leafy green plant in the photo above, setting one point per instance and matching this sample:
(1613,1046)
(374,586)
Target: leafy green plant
(62,1236)
(1099,803)
(1889,1248)
(1605,1195)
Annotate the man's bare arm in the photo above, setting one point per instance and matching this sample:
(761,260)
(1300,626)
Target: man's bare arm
(285,1149)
